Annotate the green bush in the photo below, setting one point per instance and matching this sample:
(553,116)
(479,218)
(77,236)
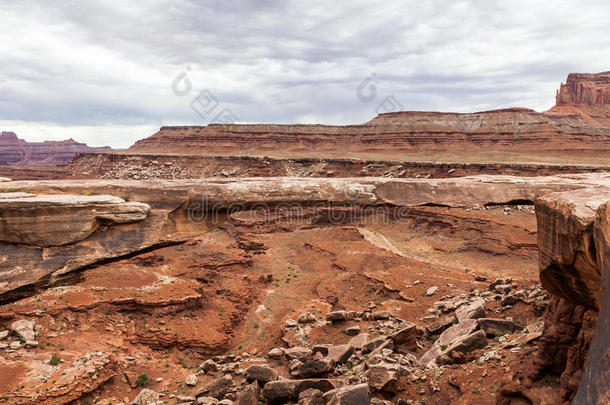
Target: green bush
(142,380)
(54,360)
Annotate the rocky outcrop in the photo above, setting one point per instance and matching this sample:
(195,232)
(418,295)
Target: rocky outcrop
(585,89)
(56,220)
(578,123)
(15,151)
(573,245)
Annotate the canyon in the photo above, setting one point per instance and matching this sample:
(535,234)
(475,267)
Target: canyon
(419,258)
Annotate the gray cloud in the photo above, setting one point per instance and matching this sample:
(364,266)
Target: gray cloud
(88,67)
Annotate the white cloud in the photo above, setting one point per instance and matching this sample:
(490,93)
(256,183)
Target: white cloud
(100,65)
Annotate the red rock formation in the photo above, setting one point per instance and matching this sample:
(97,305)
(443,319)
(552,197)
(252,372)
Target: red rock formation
(573,249)
(585,89)
(15,151)
(578,123)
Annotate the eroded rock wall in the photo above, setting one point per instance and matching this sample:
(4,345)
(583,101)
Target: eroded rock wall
(573,248)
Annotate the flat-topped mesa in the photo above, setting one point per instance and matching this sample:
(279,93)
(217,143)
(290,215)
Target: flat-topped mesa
(578,126)
(16,151)
(586,89)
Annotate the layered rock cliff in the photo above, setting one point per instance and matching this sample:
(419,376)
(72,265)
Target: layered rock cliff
(573,236)
(579,124)
(16,151)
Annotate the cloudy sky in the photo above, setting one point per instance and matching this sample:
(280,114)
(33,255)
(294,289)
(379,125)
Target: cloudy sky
(109,73)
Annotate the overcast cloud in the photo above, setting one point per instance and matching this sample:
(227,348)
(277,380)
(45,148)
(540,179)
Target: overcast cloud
(102,71)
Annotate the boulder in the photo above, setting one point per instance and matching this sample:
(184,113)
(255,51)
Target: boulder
(336,316)
(24,329)
(248,395)
(275,353)
(373,344)
(261,373)
(383,377)
(217,388)
(298,352)
(349,395)
(431,291)
(381,315)
(311,396)
(315,367)
(146,397)
(280,390)
(450,339)
(191,380)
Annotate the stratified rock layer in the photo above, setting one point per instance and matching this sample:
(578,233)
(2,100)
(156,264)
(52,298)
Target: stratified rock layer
(578,125)
(15,151)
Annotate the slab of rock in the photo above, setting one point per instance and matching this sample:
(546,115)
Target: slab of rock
(349,395)
(473,310)
(359,340)
(494,327)
(339,354)
(407,335)
(439,326)
(261,373)
(191,379)
(456,331)
(449,341)
(207,401)
(466,344)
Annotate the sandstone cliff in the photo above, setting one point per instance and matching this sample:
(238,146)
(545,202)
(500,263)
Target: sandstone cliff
(573,238)
(15,151)
(578,125)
